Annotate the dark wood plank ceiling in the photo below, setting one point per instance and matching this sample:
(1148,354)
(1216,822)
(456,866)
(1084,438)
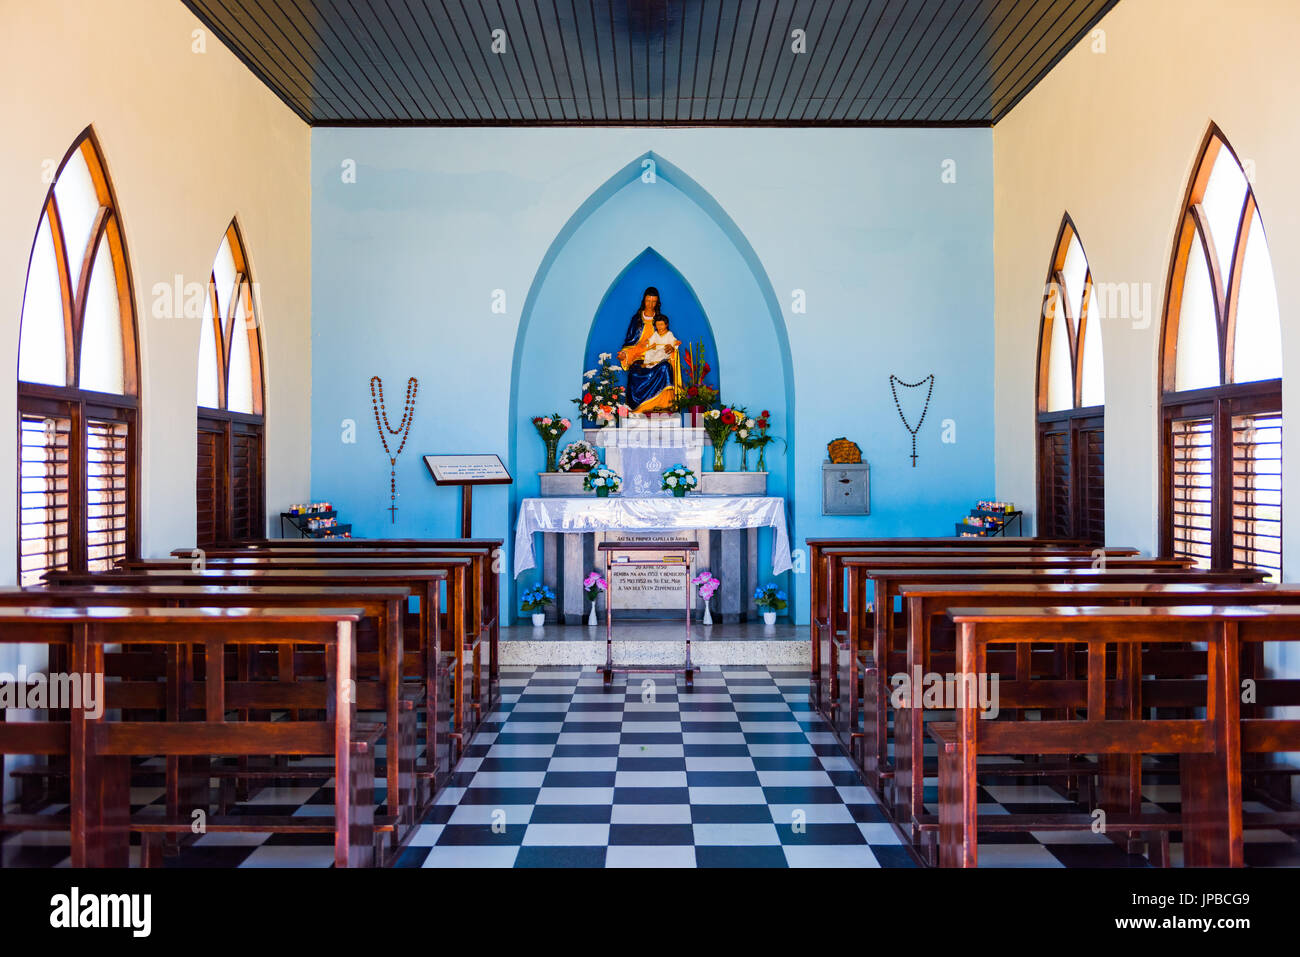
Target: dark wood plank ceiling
(650,62)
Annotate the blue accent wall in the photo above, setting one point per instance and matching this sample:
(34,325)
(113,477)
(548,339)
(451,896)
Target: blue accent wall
(824,260)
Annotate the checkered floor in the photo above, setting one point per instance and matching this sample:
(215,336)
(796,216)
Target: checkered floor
(739,772)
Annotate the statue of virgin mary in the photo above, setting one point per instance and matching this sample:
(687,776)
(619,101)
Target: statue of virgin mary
(650,357)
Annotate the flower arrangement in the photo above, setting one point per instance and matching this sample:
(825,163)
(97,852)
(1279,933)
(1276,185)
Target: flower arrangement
(602,481)
(770,598)
(550,428)
(755,436)
(603,393)
(693,393)
(593,585)
(537,598)
(578,456)
(720,424)
(679,480)
(707,584)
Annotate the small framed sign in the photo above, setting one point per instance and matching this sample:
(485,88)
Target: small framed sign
(468,469)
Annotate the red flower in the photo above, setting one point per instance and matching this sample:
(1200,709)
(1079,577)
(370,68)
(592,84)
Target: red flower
(704,370)
(586,397)
(537,420)
(727,417)
(766,413)
(692,391)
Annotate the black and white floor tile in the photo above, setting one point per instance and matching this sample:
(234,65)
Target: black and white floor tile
(739,772)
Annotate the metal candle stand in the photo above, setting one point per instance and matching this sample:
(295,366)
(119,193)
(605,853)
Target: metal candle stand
(688,550)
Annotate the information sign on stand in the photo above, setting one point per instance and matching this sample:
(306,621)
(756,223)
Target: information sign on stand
(467,471)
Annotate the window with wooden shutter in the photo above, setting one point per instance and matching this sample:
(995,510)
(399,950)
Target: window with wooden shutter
(78,379)
(1071,397)
(230,478)
(1220,377)
(1257,493)
(43,525)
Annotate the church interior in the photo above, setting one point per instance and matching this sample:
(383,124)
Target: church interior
(649,434)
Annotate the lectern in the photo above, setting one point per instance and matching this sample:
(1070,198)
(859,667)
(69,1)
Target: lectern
(664,553)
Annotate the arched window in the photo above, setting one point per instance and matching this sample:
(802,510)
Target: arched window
(229,489)
(78,380)
(1221,376)
(1071,398)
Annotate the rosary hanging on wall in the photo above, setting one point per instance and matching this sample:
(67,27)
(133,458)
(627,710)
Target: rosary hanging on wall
(384,426)
(894,382)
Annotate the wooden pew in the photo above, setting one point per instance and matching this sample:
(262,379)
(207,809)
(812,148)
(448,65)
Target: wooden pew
(489,548)
(1210,748)
(846,658)
(926,613)
(100,749)
(430,656)
(409,790)
(829,615)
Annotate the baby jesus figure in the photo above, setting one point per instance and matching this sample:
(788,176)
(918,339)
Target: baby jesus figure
(661,345)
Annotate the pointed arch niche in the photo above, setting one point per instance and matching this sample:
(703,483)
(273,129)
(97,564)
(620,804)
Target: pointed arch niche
(1071,398)
(1221,376)
(680,221)
(78,379)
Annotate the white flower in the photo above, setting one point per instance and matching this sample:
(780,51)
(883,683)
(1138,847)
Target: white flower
(598,481)
(749,423)
(743,433)
(589,374)
(605,355)
(671,481)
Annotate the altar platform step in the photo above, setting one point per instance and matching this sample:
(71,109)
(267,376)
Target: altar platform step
(657,643)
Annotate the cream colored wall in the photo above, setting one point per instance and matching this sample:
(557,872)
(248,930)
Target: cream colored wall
(190,140)
(1112,137)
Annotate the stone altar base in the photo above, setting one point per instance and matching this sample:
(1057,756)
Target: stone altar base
(658,643)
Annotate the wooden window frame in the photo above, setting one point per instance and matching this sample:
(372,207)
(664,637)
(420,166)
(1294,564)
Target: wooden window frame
(1079,418)
(222,420)
(1219,403)
(71,401)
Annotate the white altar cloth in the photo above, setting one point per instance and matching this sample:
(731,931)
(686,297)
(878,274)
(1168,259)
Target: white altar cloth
(618,513)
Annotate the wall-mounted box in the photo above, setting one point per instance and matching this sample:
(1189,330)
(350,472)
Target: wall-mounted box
(846,488)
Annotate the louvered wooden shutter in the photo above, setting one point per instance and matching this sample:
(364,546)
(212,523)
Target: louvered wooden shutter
(43,496)
(106,493)
(246,485)
(209,499)
(1192,452)
(1257,492)
(1092,486)
(1055,471)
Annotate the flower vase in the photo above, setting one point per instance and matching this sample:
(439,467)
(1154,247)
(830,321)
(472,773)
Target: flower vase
(539,619)
(718,464)
(602,492)
(769,617)
(679,492)
(744,458)
(762,457)
(708,614)
(696,412)
(592,621)
(552,446)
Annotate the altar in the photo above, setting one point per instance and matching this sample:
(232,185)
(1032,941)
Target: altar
(726,526)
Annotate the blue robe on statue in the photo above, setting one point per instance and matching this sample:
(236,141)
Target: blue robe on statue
(644,382)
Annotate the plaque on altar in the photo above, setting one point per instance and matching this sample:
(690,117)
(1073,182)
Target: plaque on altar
(650,585)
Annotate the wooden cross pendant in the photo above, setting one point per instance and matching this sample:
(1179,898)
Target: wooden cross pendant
(393,511)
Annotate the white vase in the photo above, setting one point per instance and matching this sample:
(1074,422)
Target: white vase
(708,614)
(769,618)
(539,619)
(592,621)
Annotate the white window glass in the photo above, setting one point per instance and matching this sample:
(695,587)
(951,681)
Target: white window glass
(42,355)
(78,202)
(101,335)
(1225,194)
(1060,383)
(208,396)
(1197,357)
(223,271)
(239,388)
(1093,383)
(1076,268)
(1257,346)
